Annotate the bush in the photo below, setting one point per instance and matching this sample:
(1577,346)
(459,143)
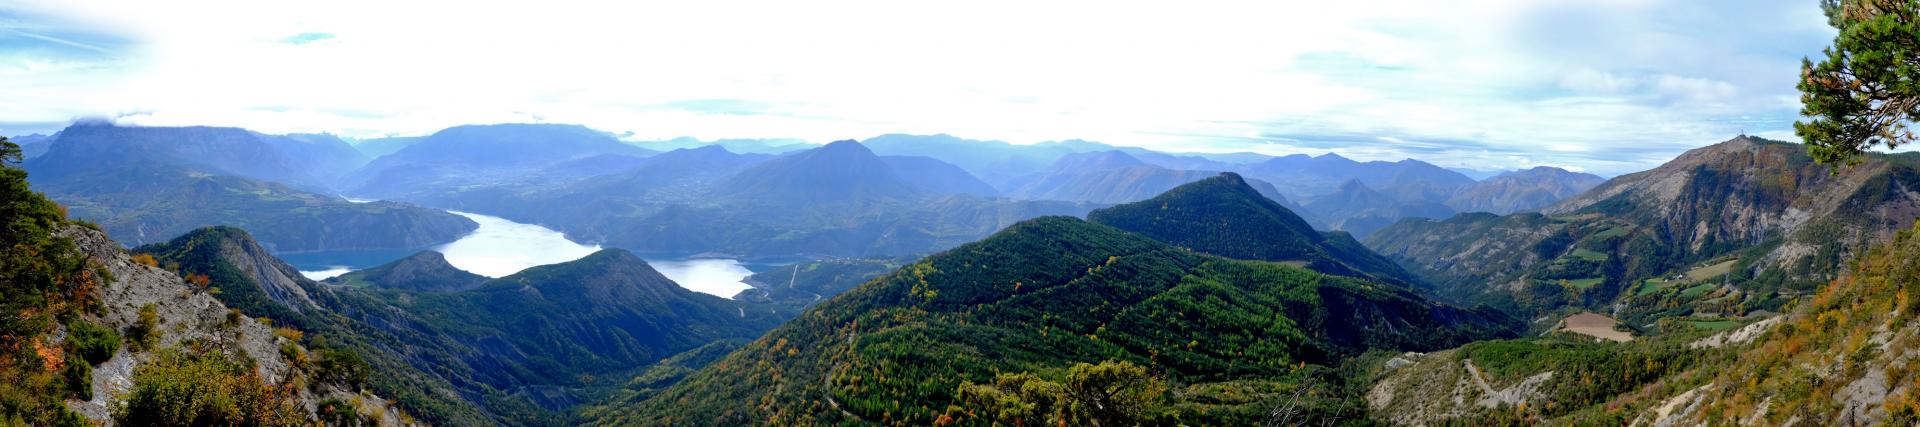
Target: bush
(343,367)
(339,413)
(79,377)
(92,342)
(203,388)
(146,332)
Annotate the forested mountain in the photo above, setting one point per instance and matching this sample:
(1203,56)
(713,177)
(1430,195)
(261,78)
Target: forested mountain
(1100,177)
(1360,210)
(89,147)
(937,177)
(1301,176)
(149,203)
(34,145)
(1754,213)
(1523,190)
(376,147)
(149,184)
(834,200)
(1226,217)
(843,172)
(478,154)
(325,156)
(956,337)
(804,284)
(992,161)
(426,271)
(518,350)
(752,146)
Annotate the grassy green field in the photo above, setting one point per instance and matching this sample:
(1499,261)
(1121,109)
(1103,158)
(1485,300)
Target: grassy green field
(1697,290)
(1610,233)
(1650,286)
(1712,271)
(1589,255)
(1584,283)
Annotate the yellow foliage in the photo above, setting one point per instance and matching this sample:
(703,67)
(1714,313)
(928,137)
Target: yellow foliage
(146,259)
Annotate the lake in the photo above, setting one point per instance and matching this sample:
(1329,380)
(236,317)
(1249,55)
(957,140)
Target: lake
(501,247)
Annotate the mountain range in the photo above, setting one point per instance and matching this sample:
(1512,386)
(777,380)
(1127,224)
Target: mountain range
(1755,213)
(1524,190)
(146,185)
(1053,296)
(924,193)
(1740,282)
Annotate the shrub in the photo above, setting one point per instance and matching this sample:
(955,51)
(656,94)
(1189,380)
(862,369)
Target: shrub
(340,413)
(179,388)
(342,367)
(92,342)
(79,376)
(146,332)
(146,260)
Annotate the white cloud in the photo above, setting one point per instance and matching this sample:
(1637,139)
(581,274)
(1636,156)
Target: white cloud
(1507,76)
(1694,89)
(1590,81)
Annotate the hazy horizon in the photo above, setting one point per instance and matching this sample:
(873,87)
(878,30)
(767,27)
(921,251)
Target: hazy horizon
(1609,88)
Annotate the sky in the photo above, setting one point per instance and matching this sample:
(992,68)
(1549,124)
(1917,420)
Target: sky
(1601,86)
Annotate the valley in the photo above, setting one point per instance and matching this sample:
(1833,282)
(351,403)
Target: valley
(517,323)
(993,214)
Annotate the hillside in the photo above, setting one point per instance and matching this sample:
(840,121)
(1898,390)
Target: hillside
(145,204)
(1226,217)
(518,350)
(737,145)
(843,172)
(102,337)
(1840,356)
(1039,298)
(307,162)
(1741,225)
(1357,209)
(147,184)
(991,161)
(1100,177)
(1300,176)
(1523,190)
(376,147)
(478,154)
(426,271)
(937,177)
(838,200)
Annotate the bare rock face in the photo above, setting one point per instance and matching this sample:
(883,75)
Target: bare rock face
(1753,190)
(1523,190)
(1711,201)
(184,313)
(1439,387)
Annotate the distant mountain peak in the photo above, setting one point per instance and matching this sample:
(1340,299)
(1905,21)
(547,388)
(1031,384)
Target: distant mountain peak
(704,150)
(1220,215)
(422,271)
(272,278)
(1099,160)
(844,146)
(842,171)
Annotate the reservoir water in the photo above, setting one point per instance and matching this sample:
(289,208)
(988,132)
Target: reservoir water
(501,247)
